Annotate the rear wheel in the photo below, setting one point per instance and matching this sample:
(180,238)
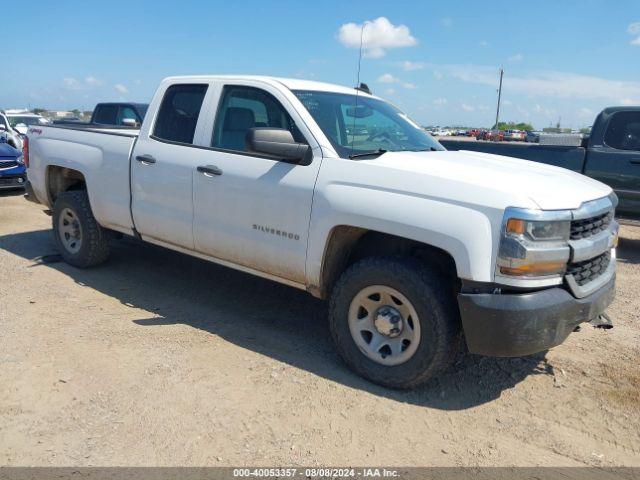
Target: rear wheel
(81,241)
(394,321)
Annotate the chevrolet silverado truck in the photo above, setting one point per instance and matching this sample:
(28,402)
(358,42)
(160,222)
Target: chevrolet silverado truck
(420,251)
(610,154)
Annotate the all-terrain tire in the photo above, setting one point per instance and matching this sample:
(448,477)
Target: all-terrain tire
(434,302)
(94,247)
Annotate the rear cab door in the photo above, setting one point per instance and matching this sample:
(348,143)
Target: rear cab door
(163,161)
(613,156)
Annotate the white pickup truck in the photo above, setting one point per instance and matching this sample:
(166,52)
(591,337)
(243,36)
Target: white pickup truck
(421,251)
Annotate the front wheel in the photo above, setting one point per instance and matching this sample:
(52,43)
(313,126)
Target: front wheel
(80,239)
(394,321)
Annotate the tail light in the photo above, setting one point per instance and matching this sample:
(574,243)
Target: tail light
(25,151)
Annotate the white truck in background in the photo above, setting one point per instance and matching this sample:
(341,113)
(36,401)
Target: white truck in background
(420,250)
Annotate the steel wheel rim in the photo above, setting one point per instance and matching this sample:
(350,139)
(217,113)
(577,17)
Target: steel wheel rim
(364,325)
(70,230)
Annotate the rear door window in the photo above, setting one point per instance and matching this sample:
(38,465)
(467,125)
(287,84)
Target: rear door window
(179,112)
(623,131)
(106,114)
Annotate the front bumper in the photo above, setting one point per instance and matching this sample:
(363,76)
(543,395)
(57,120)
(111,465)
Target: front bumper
(513,325)
(17,180)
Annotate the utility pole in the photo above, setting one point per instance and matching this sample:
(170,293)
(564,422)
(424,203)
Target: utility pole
(499,95)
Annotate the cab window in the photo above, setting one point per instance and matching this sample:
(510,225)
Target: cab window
(127,112)
(243,108)
(106,115)
(623,131)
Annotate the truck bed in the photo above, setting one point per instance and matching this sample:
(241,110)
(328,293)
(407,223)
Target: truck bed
(102,154)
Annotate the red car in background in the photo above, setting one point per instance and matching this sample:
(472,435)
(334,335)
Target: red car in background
(490,135)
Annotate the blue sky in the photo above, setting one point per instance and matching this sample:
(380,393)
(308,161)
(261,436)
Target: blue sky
(436,60)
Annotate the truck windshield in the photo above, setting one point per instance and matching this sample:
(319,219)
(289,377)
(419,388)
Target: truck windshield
(366,125)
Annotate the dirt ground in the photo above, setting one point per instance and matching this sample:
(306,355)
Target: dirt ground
(160,359)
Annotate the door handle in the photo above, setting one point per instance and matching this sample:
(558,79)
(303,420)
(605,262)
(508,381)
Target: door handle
(209,170)
(635,161)
(145,159)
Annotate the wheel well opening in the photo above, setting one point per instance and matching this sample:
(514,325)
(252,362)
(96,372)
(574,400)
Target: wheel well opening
(347,245)
(62,179)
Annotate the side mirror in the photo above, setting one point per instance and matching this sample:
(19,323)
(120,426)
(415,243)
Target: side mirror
(277,142)
(129,122)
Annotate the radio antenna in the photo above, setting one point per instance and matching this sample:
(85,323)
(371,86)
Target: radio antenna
(353,129)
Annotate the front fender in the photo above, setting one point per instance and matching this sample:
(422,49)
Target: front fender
(463,231)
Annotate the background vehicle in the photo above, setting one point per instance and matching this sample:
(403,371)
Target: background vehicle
(21,121)
(532,137)
(120,114)
(513,135)
(611,154)
(491,135)
(10,135)
(13,173)
(412,245)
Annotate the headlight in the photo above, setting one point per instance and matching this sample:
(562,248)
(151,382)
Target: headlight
(20,160)
(533,246)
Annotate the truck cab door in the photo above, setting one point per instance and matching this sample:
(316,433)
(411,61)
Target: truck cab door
(249,209)
(615,160)
(162,166)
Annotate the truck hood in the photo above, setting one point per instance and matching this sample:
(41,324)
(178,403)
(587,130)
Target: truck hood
(520,181)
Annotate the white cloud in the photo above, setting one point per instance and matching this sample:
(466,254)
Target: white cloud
(438,75)
(484,44)
(71,83)
(388,78)
(440,101)
(548,83)
(466,107)
(408,66)
(547,112)
(379,35)
(93,81)
(634,29)
(507,103)
(121,88)
(517,58)
(390,91)
(446,22)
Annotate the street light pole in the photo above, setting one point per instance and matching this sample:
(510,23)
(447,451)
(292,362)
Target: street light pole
(499,95)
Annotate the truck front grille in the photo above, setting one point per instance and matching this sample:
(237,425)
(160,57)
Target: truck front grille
(588,227)
(589,270)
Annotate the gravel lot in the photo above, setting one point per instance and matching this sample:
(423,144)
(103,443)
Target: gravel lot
(157,358)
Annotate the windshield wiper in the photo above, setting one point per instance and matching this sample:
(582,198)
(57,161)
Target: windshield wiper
(376,153)
(430,149)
